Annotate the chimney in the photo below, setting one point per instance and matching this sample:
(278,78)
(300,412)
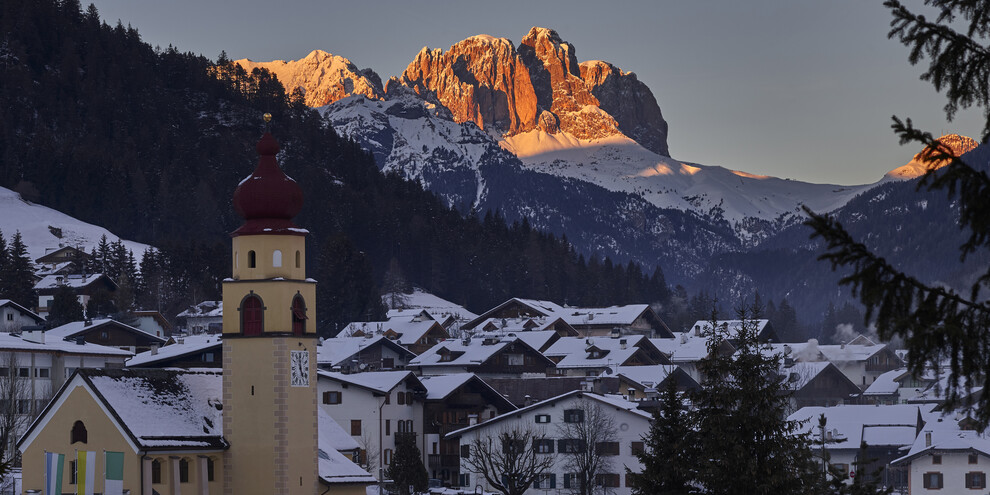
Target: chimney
(527,400)
(697,330)
(928,439)
(88,322)
(80,340)
(473,419)
(154,349)
(35,336)
(622,344)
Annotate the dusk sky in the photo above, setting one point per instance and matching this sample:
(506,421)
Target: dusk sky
(796,89)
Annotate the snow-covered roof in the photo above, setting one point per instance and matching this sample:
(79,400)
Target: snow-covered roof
(336,468)
(611,400)
(576,352)
(886,383)
(846,353)
(191,344)
(683,348)
(436,306)
(732,326)
(203,310)
(440,386)
(612,315)
(21,309)
(338,350)
(378,381)
(647,376)
(72,281)
(935,392)
(880,425)
(409,330)
(468,352)
(15,342)
(331,435)
(155,408)
(801,374)
(947,438)
(70,330)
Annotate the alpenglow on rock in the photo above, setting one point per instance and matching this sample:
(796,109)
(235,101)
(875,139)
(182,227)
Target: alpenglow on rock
(323,77)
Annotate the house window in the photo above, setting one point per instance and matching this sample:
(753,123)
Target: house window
(210,469)
(298,259)
(388,427)
(183,471)
(976,479)
(409,399)
(277,259)
(332,397)
(607,448)
(388,363)
(608,480)
(465,451)
(637,448)
(570,446)
(79,433)
(252,315)
(974,458)
(542,418)
(514,359)
(545,481)
(156,472)
(572,480)
(933,480)
(574,416)
(24,372)
(937,459)
(42,372)
(465,479)
(387,457)
(401,398)
(298,315)
(10,316)
(207,357)
(543,446)
(355,427)
(252,260)
(842,468)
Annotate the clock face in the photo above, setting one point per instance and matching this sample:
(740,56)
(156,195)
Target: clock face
(299,368)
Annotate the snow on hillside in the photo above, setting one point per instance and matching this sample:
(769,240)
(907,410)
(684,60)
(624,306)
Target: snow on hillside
(44,229)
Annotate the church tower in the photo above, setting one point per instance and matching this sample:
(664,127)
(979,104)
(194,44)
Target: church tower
(269,340)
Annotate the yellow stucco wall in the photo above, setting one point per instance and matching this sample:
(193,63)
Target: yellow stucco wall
(102,435)
(264,247)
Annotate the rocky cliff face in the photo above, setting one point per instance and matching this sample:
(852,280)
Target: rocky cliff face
(918,165)
(323,77)
(629,101)
(541,85)
(480,79)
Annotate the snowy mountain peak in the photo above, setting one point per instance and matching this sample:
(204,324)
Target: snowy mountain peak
(323,77)
(917,167)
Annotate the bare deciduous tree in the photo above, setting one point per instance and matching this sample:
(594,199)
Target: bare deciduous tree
(15,396)
(590,439)
(507,459)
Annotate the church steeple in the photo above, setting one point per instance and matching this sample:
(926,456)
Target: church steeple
(269,382)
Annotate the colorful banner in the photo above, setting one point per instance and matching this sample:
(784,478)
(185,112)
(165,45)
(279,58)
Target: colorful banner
(53,473)
(85,473)
(113,479)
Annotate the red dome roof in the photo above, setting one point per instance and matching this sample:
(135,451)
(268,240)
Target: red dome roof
(268,199)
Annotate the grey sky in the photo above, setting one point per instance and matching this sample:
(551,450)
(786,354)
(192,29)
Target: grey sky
(790,88)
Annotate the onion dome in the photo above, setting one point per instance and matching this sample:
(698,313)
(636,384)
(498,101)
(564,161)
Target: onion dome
(268,199)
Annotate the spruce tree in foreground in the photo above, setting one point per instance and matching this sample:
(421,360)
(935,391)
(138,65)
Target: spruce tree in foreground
(936,322)
(406,469)
(667,457)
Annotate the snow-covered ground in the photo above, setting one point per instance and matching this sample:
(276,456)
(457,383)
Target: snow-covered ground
(39,226)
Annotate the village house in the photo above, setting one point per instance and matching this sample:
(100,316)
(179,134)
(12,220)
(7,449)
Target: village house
(898,387)
(453,402)
(152,322)
(13,317)
(548,420)
(83,286)
(591,356)
(64,260)
(193,351)
(356,354)
(631,319)
(944,459)
(374,407)
(485,355)
(765,332)
(205,317)
(686,350)
(863,364)
(417,333)
(817,383)
(107,332)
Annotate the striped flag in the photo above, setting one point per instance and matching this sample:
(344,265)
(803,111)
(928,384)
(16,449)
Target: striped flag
(85,472)
(53,473)
(113,480)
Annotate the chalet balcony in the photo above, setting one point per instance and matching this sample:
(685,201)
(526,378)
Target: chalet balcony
(439,461)
(880,367)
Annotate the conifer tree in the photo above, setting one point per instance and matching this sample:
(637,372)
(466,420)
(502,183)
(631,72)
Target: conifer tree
(937,323)
(668,454)
(65,307)
(19,275)
(4,264)
(406,469)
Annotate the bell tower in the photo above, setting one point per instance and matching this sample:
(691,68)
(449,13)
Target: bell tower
(269,340)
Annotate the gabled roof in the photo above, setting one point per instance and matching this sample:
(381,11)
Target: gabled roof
(27,312)
(440,309)
(763,328)
(192,344)
(685,348)
(335,468)
(76,328)
(57,254)
(947,440)
(616,402)
(78,281)
(381,382)
(339,350)
(155,409)
(575,352)
(441,387)
(407,331)
(800,374)
(893,425)
(847,353)
(646,376)
(470,352)
(331,435)
(17,342)
(887,383)
(534,306)
(204,309)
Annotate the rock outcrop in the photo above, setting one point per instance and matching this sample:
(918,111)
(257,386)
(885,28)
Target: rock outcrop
(480,79)
(629,102)
(323,77)
(917,167)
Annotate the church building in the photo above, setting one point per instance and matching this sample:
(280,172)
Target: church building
(253,428)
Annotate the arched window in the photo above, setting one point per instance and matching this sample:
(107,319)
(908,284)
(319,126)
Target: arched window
(298,315)
(252,260)
(277,258)
(252,315)
(298,259)
(156,472)
(183,470)
(79,433)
